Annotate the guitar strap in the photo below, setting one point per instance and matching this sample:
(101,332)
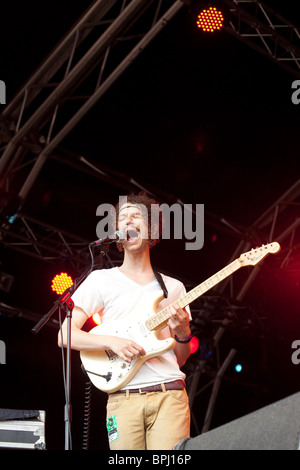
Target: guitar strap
(161,283)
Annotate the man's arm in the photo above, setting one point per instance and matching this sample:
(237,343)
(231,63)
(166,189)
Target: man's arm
(179,324)
(83,341)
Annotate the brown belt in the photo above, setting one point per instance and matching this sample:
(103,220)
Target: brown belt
(175,385)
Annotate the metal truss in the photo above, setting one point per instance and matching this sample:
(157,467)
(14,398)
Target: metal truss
(12,311)
(280,223)
(74,78)
(82,67)
(224,308)
(79,71)
(216,316)
(48,243)
(108,37)
(263,29)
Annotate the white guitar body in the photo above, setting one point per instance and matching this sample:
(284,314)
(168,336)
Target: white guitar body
(109,372)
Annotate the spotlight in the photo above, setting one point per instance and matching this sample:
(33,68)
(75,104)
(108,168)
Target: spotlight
(238,368)
(10,205)
(61,282)
(96,318)
(194,344)
(210,20)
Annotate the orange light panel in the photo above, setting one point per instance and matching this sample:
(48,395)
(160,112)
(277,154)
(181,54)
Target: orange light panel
(210,20)
(97,319)
(61,282)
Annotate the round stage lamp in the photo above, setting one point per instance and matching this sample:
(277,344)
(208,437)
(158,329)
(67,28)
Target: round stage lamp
(194,344)
(61,282)
(210,20)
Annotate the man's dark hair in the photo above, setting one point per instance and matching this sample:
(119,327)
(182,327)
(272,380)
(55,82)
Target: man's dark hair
(144,201)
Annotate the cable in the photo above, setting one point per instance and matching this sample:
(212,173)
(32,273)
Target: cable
(64,377)
(87,415)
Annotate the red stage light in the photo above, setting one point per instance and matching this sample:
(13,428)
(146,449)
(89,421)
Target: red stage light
(194,344)
(96,318)
(61,282)
(210,20)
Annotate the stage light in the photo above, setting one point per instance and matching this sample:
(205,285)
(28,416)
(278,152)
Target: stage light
(210,20)
(238,368)
(194,344)
(96,318)
(61,282)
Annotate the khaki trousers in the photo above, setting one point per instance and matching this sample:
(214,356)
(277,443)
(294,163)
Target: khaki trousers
(147,421)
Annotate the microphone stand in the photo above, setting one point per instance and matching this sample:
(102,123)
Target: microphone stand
(65,303)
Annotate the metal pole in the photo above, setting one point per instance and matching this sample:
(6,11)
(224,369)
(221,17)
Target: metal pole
(215,390)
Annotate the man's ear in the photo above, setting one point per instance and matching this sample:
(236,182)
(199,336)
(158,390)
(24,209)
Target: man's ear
(120,246)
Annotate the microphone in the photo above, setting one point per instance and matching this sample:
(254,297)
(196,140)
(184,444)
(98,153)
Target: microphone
(116,237)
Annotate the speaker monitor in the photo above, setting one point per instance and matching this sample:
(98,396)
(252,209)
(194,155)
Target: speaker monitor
(275,427)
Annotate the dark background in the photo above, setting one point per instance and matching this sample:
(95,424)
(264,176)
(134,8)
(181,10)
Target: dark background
(200,118)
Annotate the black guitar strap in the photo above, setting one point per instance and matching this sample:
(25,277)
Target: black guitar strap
(161,283)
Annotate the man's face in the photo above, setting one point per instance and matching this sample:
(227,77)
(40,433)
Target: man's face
(133,222)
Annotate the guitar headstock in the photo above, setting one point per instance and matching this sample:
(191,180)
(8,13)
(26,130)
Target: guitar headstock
(254,256)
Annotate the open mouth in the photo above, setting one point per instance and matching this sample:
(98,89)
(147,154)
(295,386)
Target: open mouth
(132,235)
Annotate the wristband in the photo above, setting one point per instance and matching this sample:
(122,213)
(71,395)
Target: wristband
(183,340)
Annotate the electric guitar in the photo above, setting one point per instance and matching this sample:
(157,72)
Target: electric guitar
(107,371)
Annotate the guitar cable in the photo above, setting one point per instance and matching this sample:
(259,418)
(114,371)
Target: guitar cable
(87,415)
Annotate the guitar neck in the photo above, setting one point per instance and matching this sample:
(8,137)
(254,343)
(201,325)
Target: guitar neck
(160,319)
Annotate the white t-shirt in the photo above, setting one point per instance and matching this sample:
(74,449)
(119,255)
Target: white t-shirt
(115,296)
